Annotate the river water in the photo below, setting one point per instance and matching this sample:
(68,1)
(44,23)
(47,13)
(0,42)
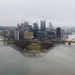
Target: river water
(59,61)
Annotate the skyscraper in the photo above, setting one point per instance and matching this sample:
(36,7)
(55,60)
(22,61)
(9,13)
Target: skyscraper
(50,26)
(43,25)
(30,28)
(16,34)
(22,25)
(26,24)
(19,26)
(35,26)
(58,32)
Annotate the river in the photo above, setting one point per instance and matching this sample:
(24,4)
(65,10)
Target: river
(59,61)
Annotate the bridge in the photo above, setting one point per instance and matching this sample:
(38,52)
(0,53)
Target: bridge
(7,41)
(56,41)
(71,41)
(65,41)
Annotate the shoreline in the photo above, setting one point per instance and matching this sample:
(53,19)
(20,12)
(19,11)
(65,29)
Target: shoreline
(26,54)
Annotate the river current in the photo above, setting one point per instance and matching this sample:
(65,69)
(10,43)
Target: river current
(60,60)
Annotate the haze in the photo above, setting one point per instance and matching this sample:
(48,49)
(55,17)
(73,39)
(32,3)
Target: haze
(59,12)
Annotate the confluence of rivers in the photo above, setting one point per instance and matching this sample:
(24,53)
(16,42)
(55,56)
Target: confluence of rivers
(59,61)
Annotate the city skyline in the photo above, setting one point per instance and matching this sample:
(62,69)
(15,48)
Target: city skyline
(47,24)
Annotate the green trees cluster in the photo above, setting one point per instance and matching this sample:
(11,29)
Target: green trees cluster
(46,45)
(22,44)
(28,45)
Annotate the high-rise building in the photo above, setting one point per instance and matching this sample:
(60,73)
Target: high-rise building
(41,34)
(21,33)
(43,25)
(50,35)
(22,25)
(35,26)
(58,32)
(50,26)
(10,34)
(16,34)
(35,32)
(26,24)
(19,26)
(30,28)
(62,32)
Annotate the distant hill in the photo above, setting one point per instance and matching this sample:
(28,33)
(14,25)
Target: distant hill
(2,27)
(72,29)
(7,27)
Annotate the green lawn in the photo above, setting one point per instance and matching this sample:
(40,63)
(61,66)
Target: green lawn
(34,47)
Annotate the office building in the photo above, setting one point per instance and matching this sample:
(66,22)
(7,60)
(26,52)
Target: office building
(19,26)
(35,26)
(11,34)
(58,32)
(41,34)
(50,35)
(43,25)
(16,34)
(22,25)
(35,33)
(35,30)
(21,33)
(28,35)
(50,26)
(62,32)
(30,28)
(26,24)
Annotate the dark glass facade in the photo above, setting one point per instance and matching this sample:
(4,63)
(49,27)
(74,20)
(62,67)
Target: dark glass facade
(43,25)
(58,32)
(35,26)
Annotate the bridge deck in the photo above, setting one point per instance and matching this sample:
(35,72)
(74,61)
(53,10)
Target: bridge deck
(7,40)
(50,41)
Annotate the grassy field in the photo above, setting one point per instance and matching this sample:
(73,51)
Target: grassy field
(35,47)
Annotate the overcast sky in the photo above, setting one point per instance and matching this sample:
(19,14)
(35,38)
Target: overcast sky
(59,12)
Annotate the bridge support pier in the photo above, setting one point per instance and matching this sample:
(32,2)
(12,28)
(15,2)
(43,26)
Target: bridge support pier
(4,43)
(69,43)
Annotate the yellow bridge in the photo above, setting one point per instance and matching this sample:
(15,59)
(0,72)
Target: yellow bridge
(6,40)
(66,41)
(69,41)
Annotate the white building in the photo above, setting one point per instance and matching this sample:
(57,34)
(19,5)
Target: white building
(50,26)
(16,34)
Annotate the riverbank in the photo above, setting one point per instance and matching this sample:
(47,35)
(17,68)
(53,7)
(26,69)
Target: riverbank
(59,61)
(33,48)
(26,54)
(21,48)
(23,44)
